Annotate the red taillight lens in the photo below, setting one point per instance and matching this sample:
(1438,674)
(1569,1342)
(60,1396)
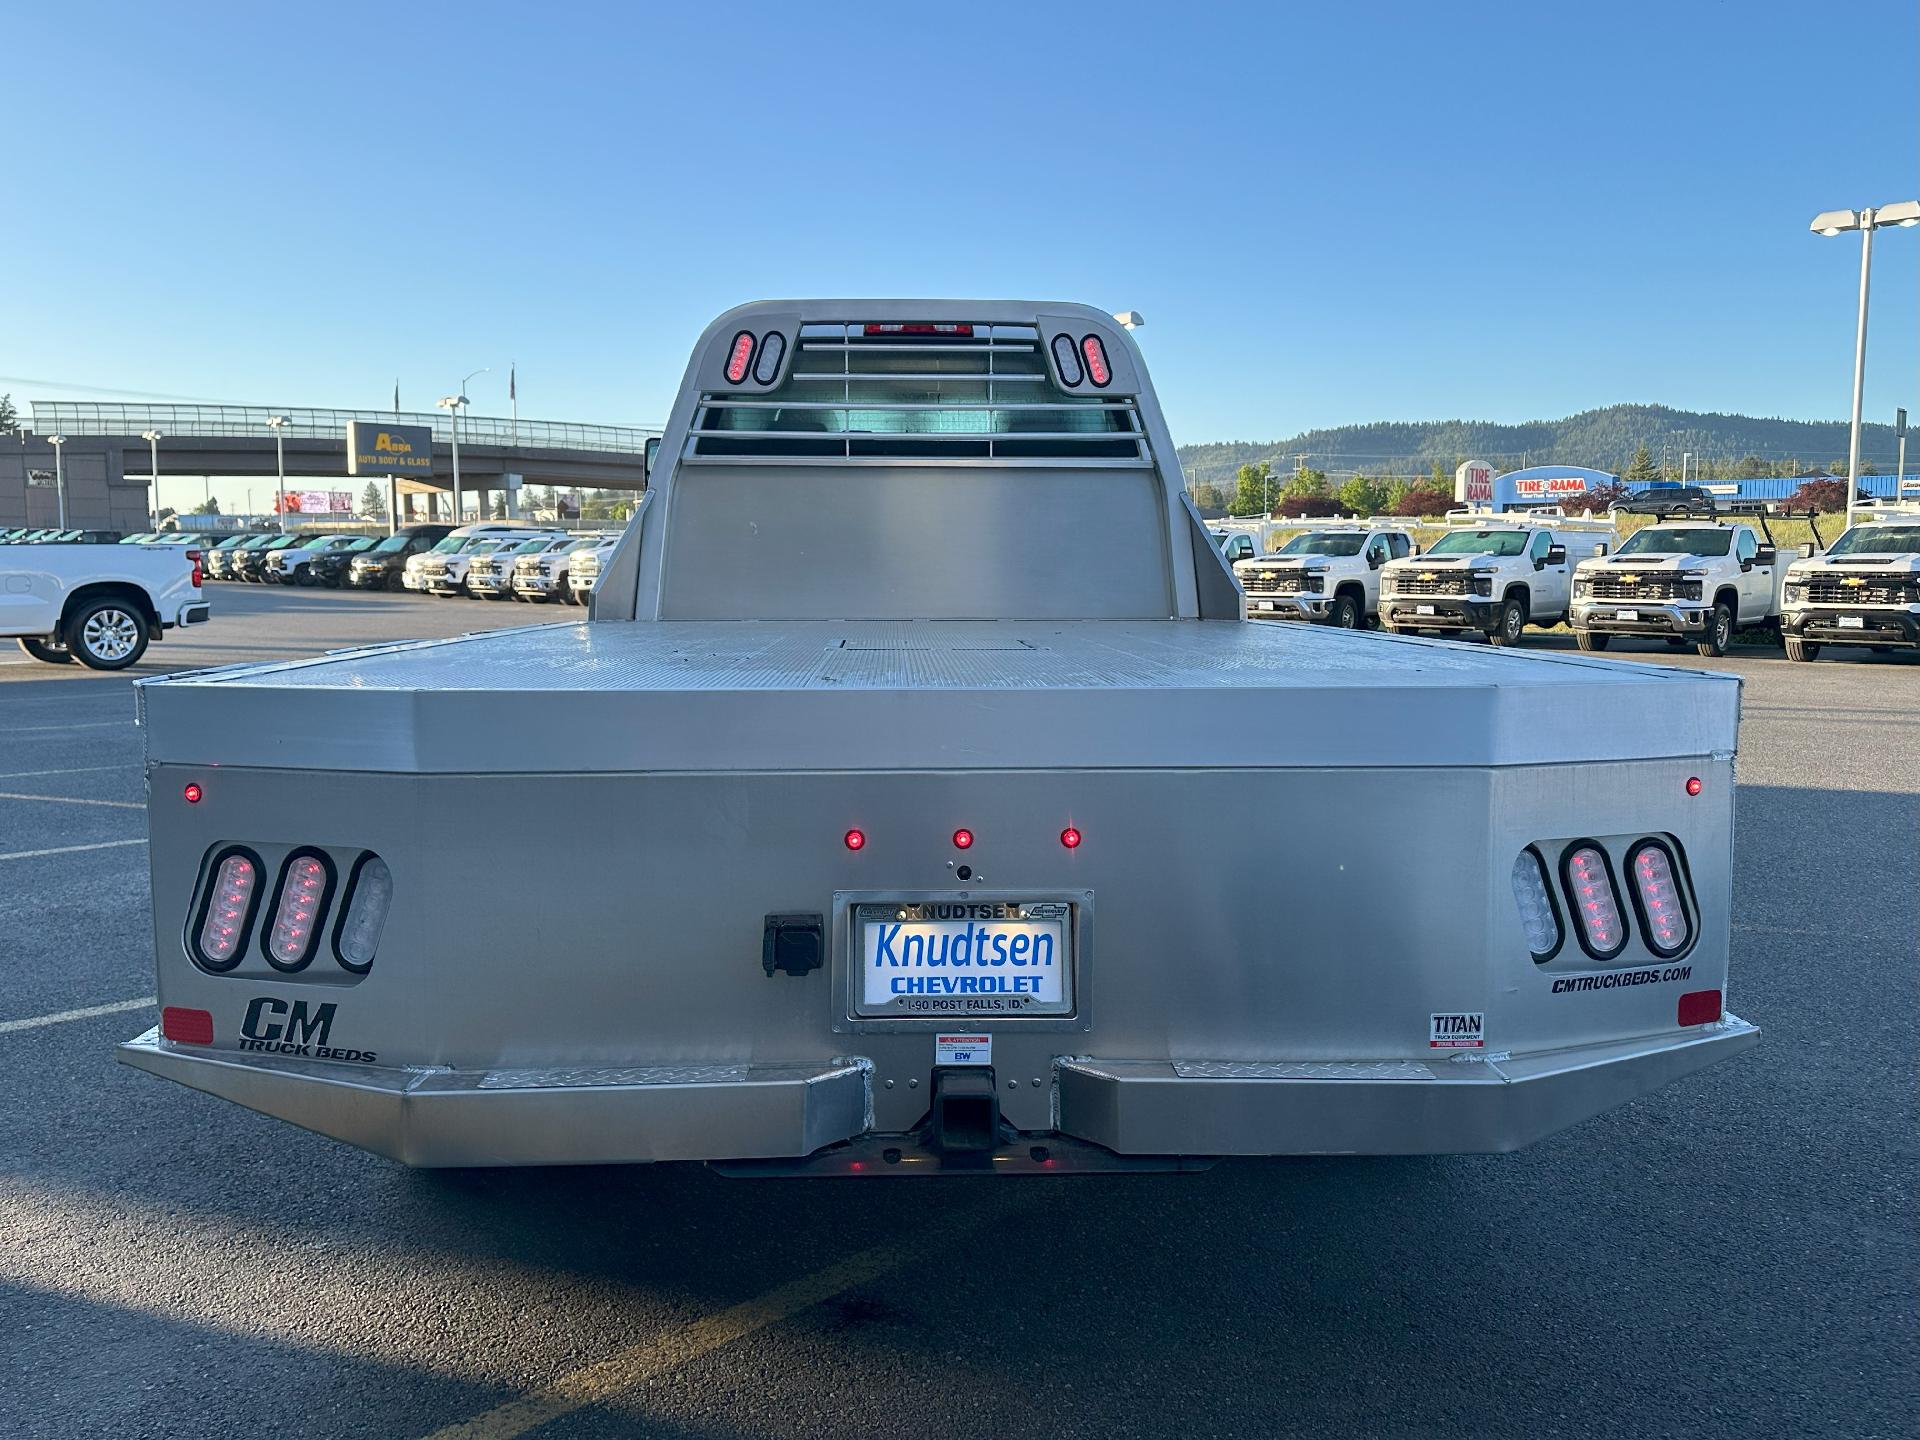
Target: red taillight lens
(186,1027)
(1070,838)
(917,329)
(192,794)
(1098,371)
(199,568)
(1596,908)
(1700,1007)
(1663,913)
(296,918)
(223,929)
(739,357)
(1694,787)
(963,839)
(855,840)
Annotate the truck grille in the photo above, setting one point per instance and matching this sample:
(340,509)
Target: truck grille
(1609,586)
(1835,591)
(1432,582)
(1258,580)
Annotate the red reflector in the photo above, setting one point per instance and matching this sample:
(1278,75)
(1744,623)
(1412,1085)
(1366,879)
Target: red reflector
(962,839)
(188,1027)
(739,357)
(855,840)
(1097,369)
(192,794)
(1694,787)
(918,329)
(1700,1007)
(1070,838)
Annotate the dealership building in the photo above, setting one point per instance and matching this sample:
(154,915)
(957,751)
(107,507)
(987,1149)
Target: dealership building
(1475,483)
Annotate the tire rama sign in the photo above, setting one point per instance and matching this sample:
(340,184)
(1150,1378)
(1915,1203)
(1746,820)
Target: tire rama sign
(377,449)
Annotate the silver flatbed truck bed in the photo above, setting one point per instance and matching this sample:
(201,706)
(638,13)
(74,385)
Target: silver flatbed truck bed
(1273,869)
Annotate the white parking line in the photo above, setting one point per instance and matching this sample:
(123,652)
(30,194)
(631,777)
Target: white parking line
(7,1027)
(70,770)
(62,729)
(68,849)
(71,800)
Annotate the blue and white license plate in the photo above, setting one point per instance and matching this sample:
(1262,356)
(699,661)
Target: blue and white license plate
(964,958)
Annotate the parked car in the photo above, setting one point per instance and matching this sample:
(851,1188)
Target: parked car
(100,604)
(1864,591)
(250,561)
(548,575)
(1681,581)
(1327,573)
(490,576)
(1491,573)
(1668,500)
(293,564)
(413,576)
(220,556)
(384,566)
(583,573)
(329,566)
(445,572)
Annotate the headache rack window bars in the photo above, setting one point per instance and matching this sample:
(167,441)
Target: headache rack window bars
(984,398)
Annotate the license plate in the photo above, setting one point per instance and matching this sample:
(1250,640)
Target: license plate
(1267,605)
(1626,614)
(936,958)
(1423,610)
(1851,622)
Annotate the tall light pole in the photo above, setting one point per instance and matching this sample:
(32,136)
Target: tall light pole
(451,404)
(153,439)
(1836,222)
(59,443)
(278,424)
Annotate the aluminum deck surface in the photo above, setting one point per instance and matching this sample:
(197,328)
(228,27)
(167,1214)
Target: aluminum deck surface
(783,695)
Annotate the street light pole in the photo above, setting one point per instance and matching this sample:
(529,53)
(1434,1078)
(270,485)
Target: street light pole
(59,443)
(279,426)
(1835,222)
(153,438)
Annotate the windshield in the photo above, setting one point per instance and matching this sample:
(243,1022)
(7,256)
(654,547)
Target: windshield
(1312,544)
(528,547)
(451,545)
(1482,542)
(281,542)
(390,544)
(233,542)
(485,547)
(361,544)
(1661,540)
(1879,540)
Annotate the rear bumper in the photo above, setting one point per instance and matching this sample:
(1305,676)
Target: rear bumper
(1655,617)
(1131,1108)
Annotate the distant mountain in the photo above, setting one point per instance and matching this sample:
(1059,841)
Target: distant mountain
(1604,439)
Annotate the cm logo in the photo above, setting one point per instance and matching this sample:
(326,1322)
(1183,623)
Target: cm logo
(271,1019)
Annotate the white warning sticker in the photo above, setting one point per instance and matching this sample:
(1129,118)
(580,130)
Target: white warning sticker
(963,1049)
(1458,1032)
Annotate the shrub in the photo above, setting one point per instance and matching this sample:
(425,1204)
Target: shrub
(1829,497)
(1312,507)
(1424,502)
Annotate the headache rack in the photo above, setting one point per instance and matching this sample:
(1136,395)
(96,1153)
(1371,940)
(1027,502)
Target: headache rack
(982,397)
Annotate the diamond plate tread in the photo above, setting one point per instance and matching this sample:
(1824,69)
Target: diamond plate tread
(1301,1070)
(623,1075)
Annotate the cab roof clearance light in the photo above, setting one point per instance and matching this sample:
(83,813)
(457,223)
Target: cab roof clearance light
(1098,371)
(740,357)
(226,914)
(369,898)
(1664,923)
(1596,905)
(918,329)
(1539,914)
(305,883)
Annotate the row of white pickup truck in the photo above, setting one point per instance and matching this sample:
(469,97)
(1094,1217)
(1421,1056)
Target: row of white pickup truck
(1686,581)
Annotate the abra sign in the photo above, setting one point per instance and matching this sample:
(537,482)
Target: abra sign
(381,449)
(1473,483)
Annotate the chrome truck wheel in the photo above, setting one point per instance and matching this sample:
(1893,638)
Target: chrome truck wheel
(107,635)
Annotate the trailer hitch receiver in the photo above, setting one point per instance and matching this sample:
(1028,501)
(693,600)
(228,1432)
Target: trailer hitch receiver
(966,1110)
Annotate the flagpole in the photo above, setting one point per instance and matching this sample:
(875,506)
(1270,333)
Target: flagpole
(513,394)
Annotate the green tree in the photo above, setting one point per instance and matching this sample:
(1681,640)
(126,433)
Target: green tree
(1398,488)
(1643,469)
(1441,477)
(9,417)
(1305,484)
(1209,497)
(208,506)
(372,503)
(1253,490)
(164,514)
(1365,495)
(500,507)
(1752,467)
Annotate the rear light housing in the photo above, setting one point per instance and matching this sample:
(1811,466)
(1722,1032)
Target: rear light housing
(773,349)
(199,568)
(1539,911)
(1098,371)
(1660,898)
(740,357)
(1066,360)
(299,910)
(356,937)
(917,329)
(1598,921)
(217,938)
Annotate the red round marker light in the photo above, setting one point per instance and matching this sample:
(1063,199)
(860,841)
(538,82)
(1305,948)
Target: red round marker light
(192,794)
(1070,838)
(963,839)
(1694,786)
(856,840)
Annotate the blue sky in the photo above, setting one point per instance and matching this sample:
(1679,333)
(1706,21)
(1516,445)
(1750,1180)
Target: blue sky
(1326,213)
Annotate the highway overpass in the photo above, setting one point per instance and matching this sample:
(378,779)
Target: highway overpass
(107,462)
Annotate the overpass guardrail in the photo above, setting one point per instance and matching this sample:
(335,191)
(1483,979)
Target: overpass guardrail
(249,422)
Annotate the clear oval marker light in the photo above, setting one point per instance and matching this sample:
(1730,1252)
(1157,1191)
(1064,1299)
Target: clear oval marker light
(366,915)
(1667,926)
(224,929)
(1596,908)
(290,942)
(1537,916)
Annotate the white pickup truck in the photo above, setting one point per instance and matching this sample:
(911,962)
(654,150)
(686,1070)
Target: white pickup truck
(1684,581)
(1494,573)
(1863,591)
(1328,573)
(98,604)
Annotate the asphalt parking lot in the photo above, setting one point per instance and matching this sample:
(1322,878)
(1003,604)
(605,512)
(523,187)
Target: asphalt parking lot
(1733,1255)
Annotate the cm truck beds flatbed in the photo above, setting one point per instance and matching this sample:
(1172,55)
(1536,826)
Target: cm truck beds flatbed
(1050,861)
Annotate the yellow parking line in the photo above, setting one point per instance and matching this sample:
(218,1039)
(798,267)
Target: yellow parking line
(73,800)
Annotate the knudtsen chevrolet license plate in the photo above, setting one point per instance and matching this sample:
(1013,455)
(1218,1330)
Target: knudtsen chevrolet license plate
(964,958)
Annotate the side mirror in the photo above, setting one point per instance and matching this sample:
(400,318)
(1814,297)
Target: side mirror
(1374,562)
(1806,549)
(1600,549)
(1413,548)
(1766,555)
(1556,555)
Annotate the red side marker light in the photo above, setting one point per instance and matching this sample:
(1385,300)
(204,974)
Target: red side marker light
(855,839)
(739,356)
(192,793)
(963,839)
(1694,787)
(1070,838)
(187,1027)
(1700,1007)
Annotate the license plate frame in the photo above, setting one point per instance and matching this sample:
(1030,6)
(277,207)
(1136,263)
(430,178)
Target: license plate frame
(1424,610)
(1850,622)
(855,1014)
(1630,616)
